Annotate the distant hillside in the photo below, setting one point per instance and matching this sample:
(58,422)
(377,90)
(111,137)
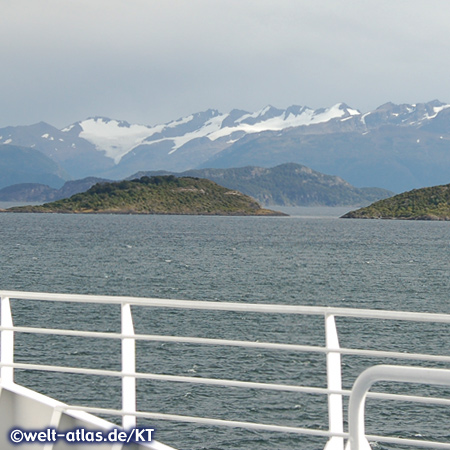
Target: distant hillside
(398,158)
(284,185)
(155,195)
(35,192)
(27,165)
(287,185)
(431,203)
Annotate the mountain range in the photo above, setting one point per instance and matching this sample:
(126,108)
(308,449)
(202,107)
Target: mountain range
(396,147)
(284,185)
(288,184)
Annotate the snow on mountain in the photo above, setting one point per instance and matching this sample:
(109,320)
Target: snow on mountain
(114,149)
(209,129)
(398,147)
(405,114)
(283,119)
(113,137)
(437,110)
(117,138)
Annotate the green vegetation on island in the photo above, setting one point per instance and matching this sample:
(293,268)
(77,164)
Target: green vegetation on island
(155,195)
(288,184)
(431,203)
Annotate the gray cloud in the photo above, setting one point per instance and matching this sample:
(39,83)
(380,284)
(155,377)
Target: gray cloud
(152,61)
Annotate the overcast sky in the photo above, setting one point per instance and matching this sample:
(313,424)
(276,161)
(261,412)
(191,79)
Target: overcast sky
(148,61)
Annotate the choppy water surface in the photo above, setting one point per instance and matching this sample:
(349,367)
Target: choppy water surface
(304,260)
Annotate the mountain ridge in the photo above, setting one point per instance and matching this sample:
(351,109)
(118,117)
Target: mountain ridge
(284,185)
(24,164)
(288,184)
(111,148)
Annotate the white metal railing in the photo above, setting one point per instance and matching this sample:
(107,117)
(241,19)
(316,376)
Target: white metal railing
(128,374)
(357,438)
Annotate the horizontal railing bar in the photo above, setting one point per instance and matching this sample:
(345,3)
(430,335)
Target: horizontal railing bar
(207,421)
(252,426)
(232,306)
(231,343)
(404,441)
(406,398)
(174,378)
(225,383)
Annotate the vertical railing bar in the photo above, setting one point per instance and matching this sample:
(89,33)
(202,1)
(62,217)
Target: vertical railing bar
(54,423)
(334,382)
(128,366)
(7,341)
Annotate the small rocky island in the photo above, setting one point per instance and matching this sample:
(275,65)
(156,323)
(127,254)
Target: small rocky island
(431,203)
(156,195)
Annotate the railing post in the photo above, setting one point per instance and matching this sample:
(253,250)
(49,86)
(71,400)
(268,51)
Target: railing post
(402,374)
(7,342)
(334,382)
(128,366)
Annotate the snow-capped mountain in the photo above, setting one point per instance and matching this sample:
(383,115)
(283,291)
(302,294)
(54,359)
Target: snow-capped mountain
(332,140)
(117,138)
(406,115)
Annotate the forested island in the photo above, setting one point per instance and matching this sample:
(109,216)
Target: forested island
(431,203)
(156,195)
(287,184)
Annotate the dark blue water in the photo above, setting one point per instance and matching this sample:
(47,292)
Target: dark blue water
(292,260)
